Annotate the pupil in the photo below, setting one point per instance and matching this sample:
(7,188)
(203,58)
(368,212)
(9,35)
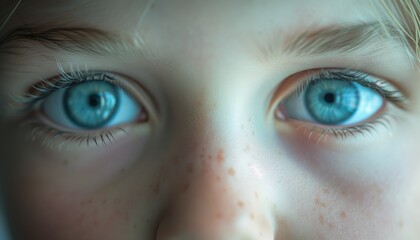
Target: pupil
(94,100)
(329,98)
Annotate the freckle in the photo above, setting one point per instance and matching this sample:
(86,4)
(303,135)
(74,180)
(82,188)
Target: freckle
(326,191)
(240,204)
(321,219)
(190,168)
(157,188)
(65,162)
(256,195)
(218,178)
(135,226)
(401,224)
(209,157)
(231,172)
(331,226)
(186,187)
(219,215)
(104,202)
(343,215)
(252,216)
(122,170)
(220,156)
(90,201)
(320,203)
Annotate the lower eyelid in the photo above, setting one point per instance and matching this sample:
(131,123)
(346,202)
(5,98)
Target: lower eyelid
(38,132)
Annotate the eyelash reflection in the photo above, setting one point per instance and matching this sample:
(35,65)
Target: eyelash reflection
(382,87)
(44,132)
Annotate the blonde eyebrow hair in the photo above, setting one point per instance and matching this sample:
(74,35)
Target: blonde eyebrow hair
(336,39)
(78,39)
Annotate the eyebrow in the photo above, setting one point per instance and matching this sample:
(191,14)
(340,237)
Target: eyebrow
(82,40)
(337,39)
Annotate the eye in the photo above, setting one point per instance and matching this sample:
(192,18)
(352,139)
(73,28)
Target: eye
(338,99)
(88,107)
(91,105)
(333,102)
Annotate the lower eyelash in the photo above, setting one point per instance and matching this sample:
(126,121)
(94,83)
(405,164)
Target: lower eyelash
(47,135)
(385,120)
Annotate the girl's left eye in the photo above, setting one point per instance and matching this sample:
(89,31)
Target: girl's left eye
(341,100)
(333,102)
(91,105)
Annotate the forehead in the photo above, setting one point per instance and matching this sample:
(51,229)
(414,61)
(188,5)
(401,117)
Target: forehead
(216,15)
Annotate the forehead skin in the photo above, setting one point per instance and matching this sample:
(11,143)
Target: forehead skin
(218,168)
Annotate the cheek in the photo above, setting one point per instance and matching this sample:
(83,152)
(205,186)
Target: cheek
(86,196)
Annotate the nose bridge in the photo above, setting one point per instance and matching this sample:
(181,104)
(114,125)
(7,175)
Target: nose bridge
(215,204)
(218,197)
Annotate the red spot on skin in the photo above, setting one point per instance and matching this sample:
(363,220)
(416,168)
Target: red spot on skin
(220,156)
(320,203)
(219,215)
(343,215)
(157,188)
(321,219)
(231,172)
(186,187)
(190,168)
(209,157)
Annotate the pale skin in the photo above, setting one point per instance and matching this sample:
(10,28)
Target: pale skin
(213,161)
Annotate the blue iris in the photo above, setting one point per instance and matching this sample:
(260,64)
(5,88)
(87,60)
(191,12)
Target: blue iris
(91,104)
(332,101)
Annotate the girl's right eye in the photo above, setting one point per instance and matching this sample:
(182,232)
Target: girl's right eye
(83,107)
(91,105)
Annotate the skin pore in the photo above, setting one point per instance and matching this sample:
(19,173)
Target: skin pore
(212,160)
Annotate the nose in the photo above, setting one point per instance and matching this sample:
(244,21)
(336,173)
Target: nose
(218,202)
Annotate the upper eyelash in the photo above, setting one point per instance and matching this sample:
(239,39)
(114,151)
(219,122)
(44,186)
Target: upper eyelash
(62,81)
